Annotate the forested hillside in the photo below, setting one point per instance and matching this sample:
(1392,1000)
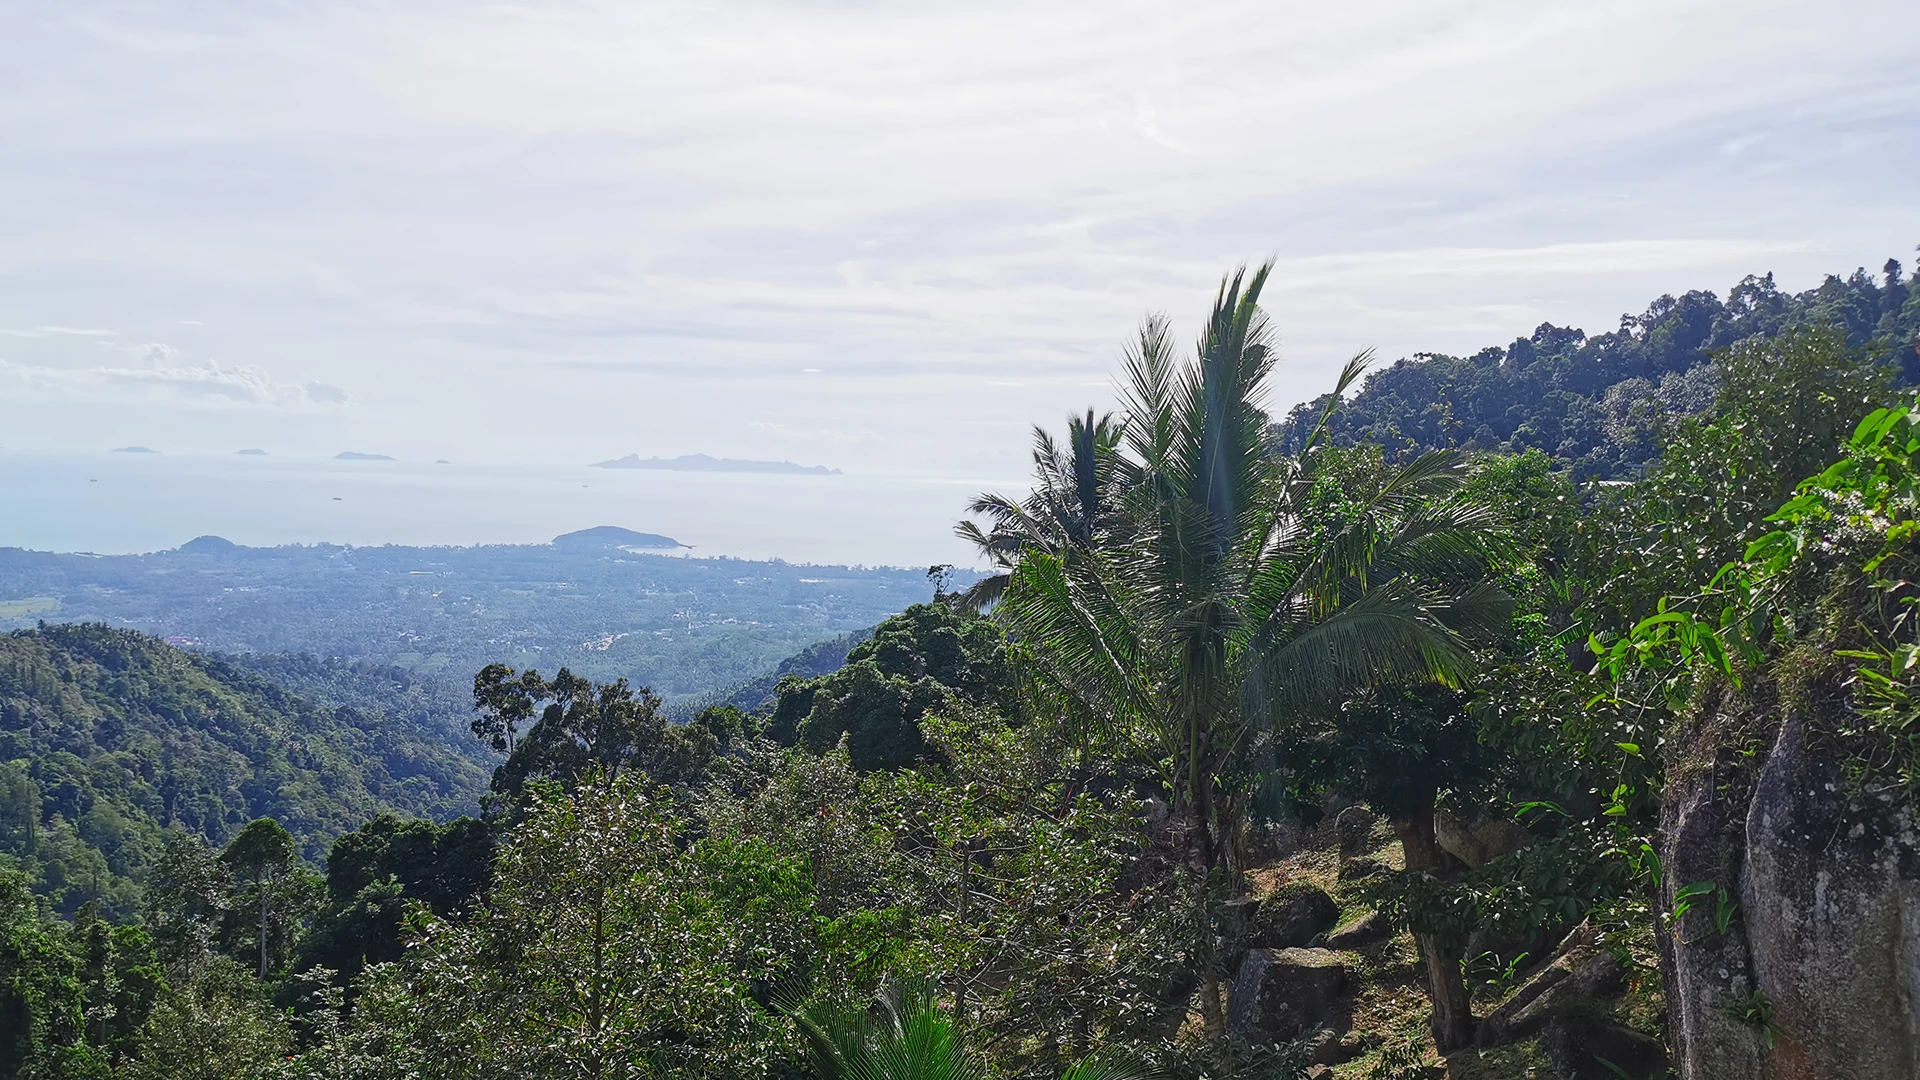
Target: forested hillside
(1318,758)
(109,738)
(819,658)
(1597,401)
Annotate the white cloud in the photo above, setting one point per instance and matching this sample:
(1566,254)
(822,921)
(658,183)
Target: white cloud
(168,383)
(919,227)
(53,331)
(326,393)
(156,354)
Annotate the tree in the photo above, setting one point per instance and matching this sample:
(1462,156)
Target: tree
(42,1002)
(1398,749)
(1033,895)
(1783,410)
(71,995)
(1062,515)
(602,729)
(376,872)
(120,976)
(1229,593)
(914,663)
(215,1024)
(186,900)
(260,858)
(613,945)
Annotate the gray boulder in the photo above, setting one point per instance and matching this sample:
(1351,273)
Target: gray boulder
(1578,980)
(1295,914)
(1479,840)
(1280,993)
(1816,948)
(1587,1049)
(1353,828)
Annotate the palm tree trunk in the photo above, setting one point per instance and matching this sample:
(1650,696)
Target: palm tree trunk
(1452,1020)
(1213,1012)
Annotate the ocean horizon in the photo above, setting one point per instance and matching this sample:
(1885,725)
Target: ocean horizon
(124,503)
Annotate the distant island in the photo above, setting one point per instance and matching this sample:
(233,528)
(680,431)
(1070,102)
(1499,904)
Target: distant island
(134,450)
(209,545)
(352,455)
(612,536)
(706,463)
(250,452)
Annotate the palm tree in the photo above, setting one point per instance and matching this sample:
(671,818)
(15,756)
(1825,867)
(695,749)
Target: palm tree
(908,1035)
(1062,514)
(1221,598)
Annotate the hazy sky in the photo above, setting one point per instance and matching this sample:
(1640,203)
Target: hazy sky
(884,237)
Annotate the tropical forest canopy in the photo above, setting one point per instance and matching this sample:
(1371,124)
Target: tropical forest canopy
(1345,743)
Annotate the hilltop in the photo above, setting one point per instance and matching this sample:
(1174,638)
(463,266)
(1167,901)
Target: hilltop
(1596,400)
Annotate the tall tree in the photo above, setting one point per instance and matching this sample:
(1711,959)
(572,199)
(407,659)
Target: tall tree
(261,855)
(583,728)
(1225,595)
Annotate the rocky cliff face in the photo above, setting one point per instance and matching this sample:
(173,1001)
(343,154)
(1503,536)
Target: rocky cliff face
(1797,953)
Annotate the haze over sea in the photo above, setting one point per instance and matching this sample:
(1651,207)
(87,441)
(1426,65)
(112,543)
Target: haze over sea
(119,503)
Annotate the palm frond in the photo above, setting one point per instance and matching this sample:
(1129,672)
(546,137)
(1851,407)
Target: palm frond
(1484,609)
(1432,475)
(1350,373)
(1089,646)
(835,1036)
(1147,391)
(984,593)
(1390,634)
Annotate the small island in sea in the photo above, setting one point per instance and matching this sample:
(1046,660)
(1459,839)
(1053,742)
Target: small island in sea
(209,545)
(354,455)
(708,463)
(612,536)
(134,450)
(250,452)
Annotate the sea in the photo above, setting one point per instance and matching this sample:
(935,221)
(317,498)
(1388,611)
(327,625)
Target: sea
(119,503)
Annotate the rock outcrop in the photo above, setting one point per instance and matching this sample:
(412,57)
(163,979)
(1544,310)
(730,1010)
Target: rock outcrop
(1798,955)
(1354,829)
(1278,994)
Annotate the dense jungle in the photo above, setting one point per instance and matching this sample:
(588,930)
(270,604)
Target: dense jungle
(1544,712)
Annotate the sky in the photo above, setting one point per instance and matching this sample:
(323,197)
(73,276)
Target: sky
(884,237)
